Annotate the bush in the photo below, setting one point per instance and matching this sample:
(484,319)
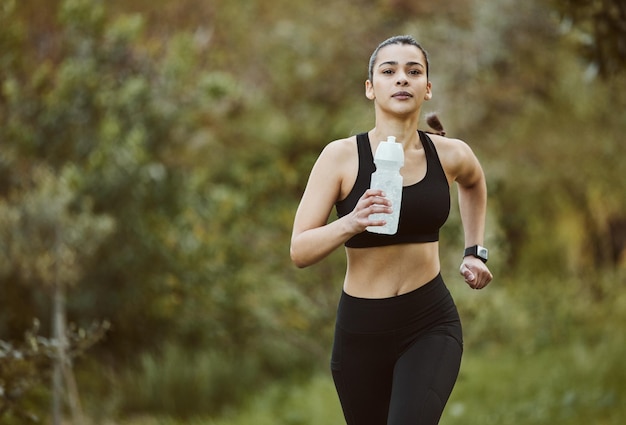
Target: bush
(184,383)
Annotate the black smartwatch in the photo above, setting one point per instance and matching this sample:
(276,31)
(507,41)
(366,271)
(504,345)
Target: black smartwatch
(477,251)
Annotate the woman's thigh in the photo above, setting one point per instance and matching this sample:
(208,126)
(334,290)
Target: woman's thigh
(362,368)
(423,380)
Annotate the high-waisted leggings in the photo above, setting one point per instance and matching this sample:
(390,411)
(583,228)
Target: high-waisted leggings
(395,360)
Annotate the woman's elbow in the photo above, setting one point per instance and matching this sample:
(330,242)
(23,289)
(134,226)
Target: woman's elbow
(297,258)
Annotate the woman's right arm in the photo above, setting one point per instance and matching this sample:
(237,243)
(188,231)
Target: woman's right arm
(313,238)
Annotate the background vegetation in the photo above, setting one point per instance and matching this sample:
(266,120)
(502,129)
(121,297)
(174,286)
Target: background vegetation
(152,154)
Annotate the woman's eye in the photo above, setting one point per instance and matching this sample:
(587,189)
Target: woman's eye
(387,71)
(415,72)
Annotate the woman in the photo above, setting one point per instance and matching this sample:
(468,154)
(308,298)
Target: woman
(398,339)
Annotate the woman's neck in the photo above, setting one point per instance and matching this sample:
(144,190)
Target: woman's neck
(403,128)
(405,133)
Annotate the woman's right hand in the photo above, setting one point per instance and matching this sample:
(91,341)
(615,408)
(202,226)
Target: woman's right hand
(373,201)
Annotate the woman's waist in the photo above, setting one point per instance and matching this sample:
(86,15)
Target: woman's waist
(390,271)
(427,305)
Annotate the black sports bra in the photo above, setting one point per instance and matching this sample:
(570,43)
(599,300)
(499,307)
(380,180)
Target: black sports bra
(425,204)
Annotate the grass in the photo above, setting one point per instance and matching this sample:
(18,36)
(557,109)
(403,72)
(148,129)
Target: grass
(311,402)
(547,353)
(571,384)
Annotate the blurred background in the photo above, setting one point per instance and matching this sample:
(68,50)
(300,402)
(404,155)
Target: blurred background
(152,155)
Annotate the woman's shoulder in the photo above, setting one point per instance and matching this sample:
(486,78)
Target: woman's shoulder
(444,142)
(335,164)
(340,149)
(454,154)
(450,147)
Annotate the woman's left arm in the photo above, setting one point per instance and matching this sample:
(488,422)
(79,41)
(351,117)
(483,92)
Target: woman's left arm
(472,188)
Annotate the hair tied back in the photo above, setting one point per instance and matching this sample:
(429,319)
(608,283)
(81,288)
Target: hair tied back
(433,122)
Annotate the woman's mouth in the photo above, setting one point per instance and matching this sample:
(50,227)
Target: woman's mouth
(402,95)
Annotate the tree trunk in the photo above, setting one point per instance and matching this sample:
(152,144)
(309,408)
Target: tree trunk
(58,320)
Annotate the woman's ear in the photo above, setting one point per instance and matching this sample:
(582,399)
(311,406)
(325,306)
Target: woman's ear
(369,90)
(429,91)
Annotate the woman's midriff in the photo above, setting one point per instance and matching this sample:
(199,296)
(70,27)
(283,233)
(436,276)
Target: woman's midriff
(388,271)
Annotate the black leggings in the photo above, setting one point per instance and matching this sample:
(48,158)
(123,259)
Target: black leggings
(395,360)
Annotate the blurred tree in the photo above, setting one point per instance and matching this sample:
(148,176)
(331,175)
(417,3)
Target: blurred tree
(25,366)
(46,241)
(600,29)
(125,122)
(517,88)
(148,128)
(192,125)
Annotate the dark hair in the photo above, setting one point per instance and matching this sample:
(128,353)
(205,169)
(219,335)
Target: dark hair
(434,122)
(398,39)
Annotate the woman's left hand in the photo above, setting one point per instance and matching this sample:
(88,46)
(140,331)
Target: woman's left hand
(475,272)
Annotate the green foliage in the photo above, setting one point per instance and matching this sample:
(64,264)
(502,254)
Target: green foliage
(573,384)
(531,313)
(308,402)
(48,236)
(599,28)
(25,366)
(168,144)
(184,383)
(535,354)
(571,149)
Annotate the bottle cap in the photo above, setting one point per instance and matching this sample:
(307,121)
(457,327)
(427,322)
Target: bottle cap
(390,151)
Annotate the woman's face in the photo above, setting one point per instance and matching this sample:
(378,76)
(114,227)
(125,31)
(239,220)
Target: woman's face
(399,81)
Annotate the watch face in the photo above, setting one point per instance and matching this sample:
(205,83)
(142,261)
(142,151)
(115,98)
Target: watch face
(482,252)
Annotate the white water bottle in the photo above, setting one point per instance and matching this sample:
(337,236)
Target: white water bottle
(389,158)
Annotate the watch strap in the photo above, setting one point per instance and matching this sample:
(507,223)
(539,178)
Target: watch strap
(477,251)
